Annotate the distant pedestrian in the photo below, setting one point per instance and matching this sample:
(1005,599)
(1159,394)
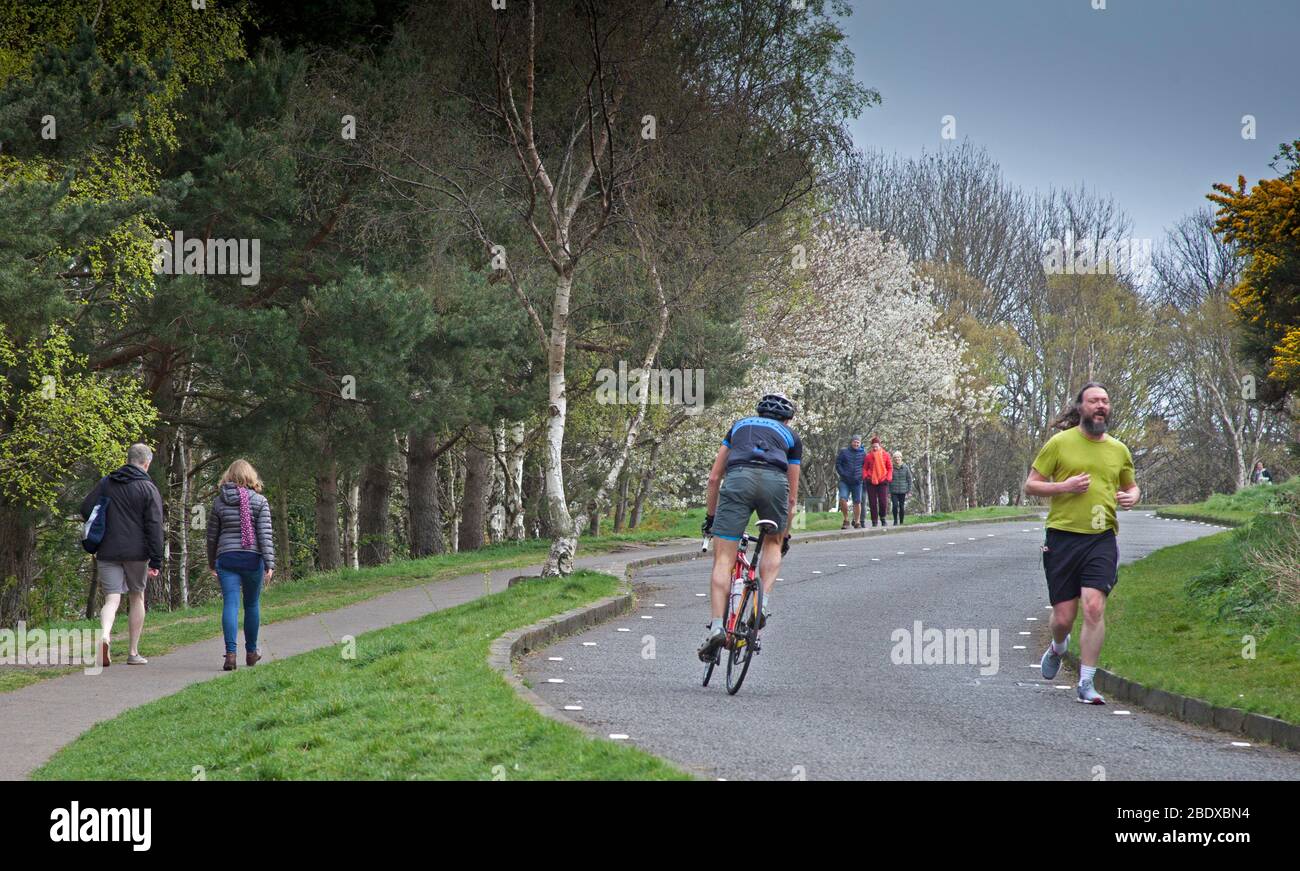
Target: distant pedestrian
(899,487)
(241,555)
(877,472)
(132,548)
(1260,475)
(848,469)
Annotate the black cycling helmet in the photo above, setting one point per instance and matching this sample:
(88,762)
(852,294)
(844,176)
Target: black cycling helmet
(776,405)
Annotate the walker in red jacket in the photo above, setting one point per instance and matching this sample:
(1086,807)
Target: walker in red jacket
(877,472)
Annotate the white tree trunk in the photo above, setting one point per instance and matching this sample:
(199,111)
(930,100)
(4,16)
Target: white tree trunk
(183,570)
(515,482)
(354,520)
(565,543)
(497,501)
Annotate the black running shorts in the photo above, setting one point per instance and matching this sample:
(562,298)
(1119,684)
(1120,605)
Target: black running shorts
(1073,560)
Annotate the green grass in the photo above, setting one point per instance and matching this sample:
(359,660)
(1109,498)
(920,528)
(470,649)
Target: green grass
(1160,632)
(1238,508)
(418,702)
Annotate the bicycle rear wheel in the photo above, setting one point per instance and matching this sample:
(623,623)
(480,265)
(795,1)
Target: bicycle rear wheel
(742,645)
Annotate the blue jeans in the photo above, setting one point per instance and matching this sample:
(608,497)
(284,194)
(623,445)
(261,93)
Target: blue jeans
(851,489)
(233,582)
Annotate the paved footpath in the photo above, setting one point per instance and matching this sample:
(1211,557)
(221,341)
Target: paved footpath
(823,700)
(37,720)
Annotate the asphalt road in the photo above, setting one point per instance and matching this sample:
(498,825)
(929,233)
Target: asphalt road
(824,700)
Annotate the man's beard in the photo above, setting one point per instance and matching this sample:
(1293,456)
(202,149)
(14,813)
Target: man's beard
(1094,426)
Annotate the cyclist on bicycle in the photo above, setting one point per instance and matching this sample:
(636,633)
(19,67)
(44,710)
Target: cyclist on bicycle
(759,460)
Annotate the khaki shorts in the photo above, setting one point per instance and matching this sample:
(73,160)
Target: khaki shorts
(120,577)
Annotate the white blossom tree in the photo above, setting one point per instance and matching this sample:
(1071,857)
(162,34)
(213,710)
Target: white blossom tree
(856,342)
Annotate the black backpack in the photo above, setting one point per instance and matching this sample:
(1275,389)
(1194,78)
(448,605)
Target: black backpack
(92,533)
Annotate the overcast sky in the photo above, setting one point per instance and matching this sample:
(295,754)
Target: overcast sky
(1141,101)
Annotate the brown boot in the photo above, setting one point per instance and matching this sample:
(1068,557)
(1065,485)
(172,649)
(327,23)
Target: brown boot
(251,658)
(844,513)
(229,664)
(104,659)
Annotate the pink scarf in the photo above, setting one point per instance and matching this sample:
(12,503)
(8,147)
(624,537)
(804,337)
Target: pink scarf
(247,540)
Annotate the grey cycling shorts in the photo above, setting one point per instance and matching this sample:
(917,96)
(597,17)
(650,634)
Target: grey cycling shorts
(748,489)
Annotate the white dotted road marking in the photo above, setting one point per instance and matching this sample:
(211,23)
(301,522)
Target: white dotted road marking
(1025,633)
(555,680)
(1240,743)
(875,559)
(1123,713)
(925,548)
(1031,618)
(660,605)
(702,595)
(621,629)
(555,659)
(646,617)
(901,552)
(1018,647)
(815,572)
(841,565)
(617,736)
(588,644)
(573,707)
(1064,686)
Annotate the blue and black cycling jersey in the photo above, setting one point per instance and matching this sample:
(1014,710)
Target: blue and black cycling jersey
(762,441)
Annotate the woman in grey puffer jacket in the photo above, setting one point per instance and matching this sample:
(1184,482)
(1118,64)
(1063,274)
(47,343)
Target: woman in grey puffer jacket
(899,487)
(241,554)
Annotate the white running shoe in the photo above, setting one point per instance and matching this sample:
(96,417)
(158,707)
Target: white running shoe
(1088,695)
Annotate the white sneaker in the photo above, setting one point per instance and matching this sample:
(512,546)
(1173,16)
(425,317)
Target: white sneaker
(1088,695)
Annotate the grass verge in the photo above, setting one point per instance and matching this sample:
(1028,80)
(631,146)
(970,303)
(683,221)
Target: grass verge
(1159,633)
(1240,507)
(418,702)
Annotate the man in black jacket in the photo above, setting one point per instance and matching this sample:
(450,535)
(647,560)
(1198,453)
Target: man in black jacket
(132,548)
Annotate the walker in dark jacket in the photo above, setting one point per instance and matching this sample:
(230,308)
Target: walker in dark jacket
(848,468)
(848,464)
(133,522)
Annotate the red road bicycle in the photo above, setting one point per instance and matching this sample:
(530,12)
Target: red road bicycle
(744,617)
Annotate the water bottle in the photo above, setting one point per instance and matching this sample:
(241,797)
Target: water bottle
(737,590)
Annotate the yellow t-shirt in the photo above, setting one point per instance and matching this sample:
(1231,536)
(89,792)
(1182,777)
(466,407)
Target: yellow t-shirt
(1110,466)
